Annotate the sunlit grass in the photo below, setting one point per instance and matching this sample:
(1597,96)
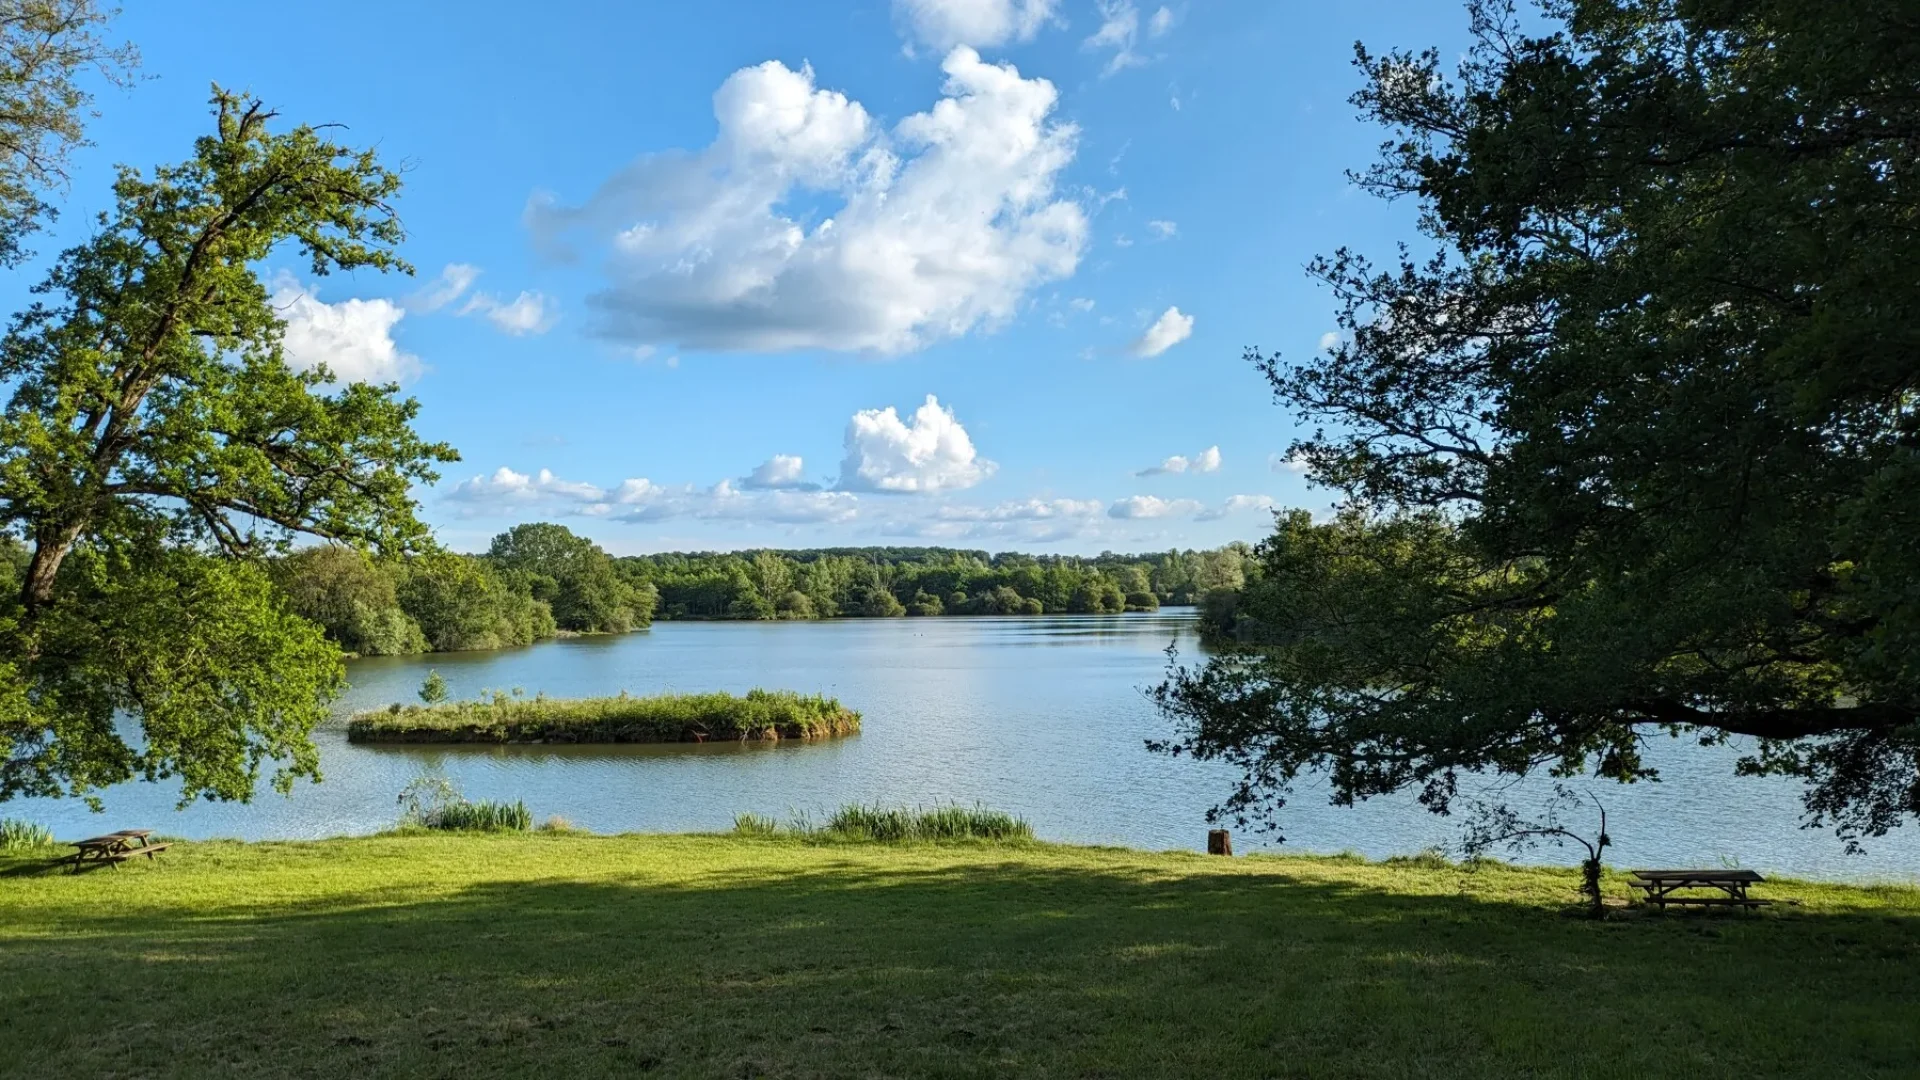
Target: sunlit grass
(776,954)
(759,715)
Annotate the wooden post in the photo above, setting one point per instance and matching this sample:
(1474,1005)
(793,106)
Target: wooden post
(1219,842)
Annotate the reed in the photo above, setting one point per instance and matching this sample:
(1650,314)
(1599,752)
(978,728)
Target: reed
(760,715)
(895,825)
(18,835)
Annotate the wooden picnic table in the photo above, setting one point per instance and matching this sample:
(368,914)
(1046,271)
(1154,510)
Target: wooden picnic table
(113,849)
(1661,887)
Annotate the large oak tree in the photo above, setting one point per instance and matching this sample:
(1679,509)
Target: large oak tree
(1630,439)
(157,447)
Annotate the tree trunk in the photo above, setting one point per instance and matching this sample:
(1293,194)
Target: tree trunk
(49,551)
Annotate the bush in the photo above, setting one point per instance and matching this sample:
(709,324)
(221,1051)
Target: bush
(22,836)
(484,816)
(760,715)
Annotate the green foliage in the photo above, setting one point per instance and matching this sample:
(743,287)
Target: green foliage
(351,597)
(1634,451)
(748,824)
(885,582)
(47,47)
(17,836)
(156,447)
(433,690)
(575,577)
(761,714)
(462,603)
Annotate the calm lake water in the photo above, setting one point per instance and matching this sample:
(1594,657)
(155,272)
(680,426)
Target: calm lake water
(1041,716)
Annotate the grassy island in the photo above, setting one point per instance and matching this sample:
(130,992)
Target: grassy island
(761,715)
(548,954)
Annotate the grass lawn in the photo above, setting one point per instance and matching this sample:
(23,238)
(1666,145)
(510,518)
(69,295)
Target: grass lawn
(576,956)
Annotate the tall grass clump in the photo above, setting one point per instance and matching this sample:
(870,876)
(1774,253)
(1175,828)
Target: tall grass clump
(759,715)
(18,835)
(433,802)
(895,825)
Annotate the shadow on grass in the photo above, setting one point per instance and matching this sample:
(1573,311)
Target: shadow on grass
(986,968)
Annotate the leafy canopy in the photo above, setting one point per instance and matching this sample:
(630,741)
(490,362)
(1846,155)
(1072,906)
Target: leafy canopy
(155,450)
(1633,447)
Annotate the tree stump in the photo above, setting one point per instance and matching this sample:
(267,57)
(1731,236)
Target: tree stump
(1219,842)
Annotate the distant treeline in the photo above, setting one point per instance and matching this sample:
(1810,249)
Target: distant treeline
(539,580)
(885,581)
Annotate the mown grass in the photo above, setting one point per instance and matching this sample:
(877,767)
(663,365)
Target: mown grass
(759,715)
(534,954)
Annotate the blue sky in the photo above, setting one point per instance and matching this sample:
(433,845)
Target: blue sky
(677,261)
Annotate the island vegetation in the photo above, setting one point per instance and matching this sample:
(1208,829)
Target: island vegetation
(759,715)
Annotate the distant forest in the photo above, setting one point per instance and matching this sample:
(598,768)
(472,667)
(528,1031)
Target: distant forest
(541,580)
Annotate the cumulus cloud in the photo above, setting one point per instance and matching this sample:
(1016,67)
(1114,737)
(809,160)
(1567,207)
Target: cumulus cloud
(528,313)
(454,281)
(933,453)
(1139,507)
(1282,463)
(942,24)
(1205,461)
(777,473)
(353,338)
(1025,510)
(1164,230)
(1160,23)
(506,487)
(926,232)
(1237,504)
(642,500)
(1328,340)
(1119,31)
(1170,329)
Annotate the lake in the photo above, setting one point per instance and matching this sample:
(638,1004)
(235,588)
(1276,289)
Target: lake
(1043,716)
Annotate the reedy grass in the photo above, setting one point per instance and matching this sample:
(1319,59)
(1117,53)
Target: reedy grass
(482,816)
(894,825)
(759,715)
(24,836)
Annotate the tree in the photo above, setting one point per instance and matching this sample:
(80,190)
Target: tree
(433,690)
(157,448)
(571,573)
(350,597)
(1631,449)
(463,603)
(46,49)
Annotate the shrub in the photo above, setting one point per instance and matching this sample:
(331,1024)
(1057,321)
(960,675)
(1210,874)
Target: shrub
(18,835)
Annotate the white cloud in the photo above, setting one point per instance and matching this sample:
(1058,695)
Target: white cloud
(641,500)
(508,487)
(1136,507)
(454,280)
(1205,461)
(1160,23)
(353,338)
(781,471)
(1237,504)
(942,24)
(528,313)
(931,454)
(1080,304)
(1025,510)
(1328,340)
(805,226)
(1170,329)
(1164,230)
(1119,31)
(1283,463)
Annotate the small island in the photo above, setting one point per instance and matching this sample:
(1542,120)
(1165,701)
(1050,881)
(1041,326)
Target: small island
(760,716)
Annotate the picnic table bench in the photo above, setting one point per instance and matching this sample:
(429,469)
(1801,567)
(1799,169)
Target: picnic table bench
(113,849)
(1661,887)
